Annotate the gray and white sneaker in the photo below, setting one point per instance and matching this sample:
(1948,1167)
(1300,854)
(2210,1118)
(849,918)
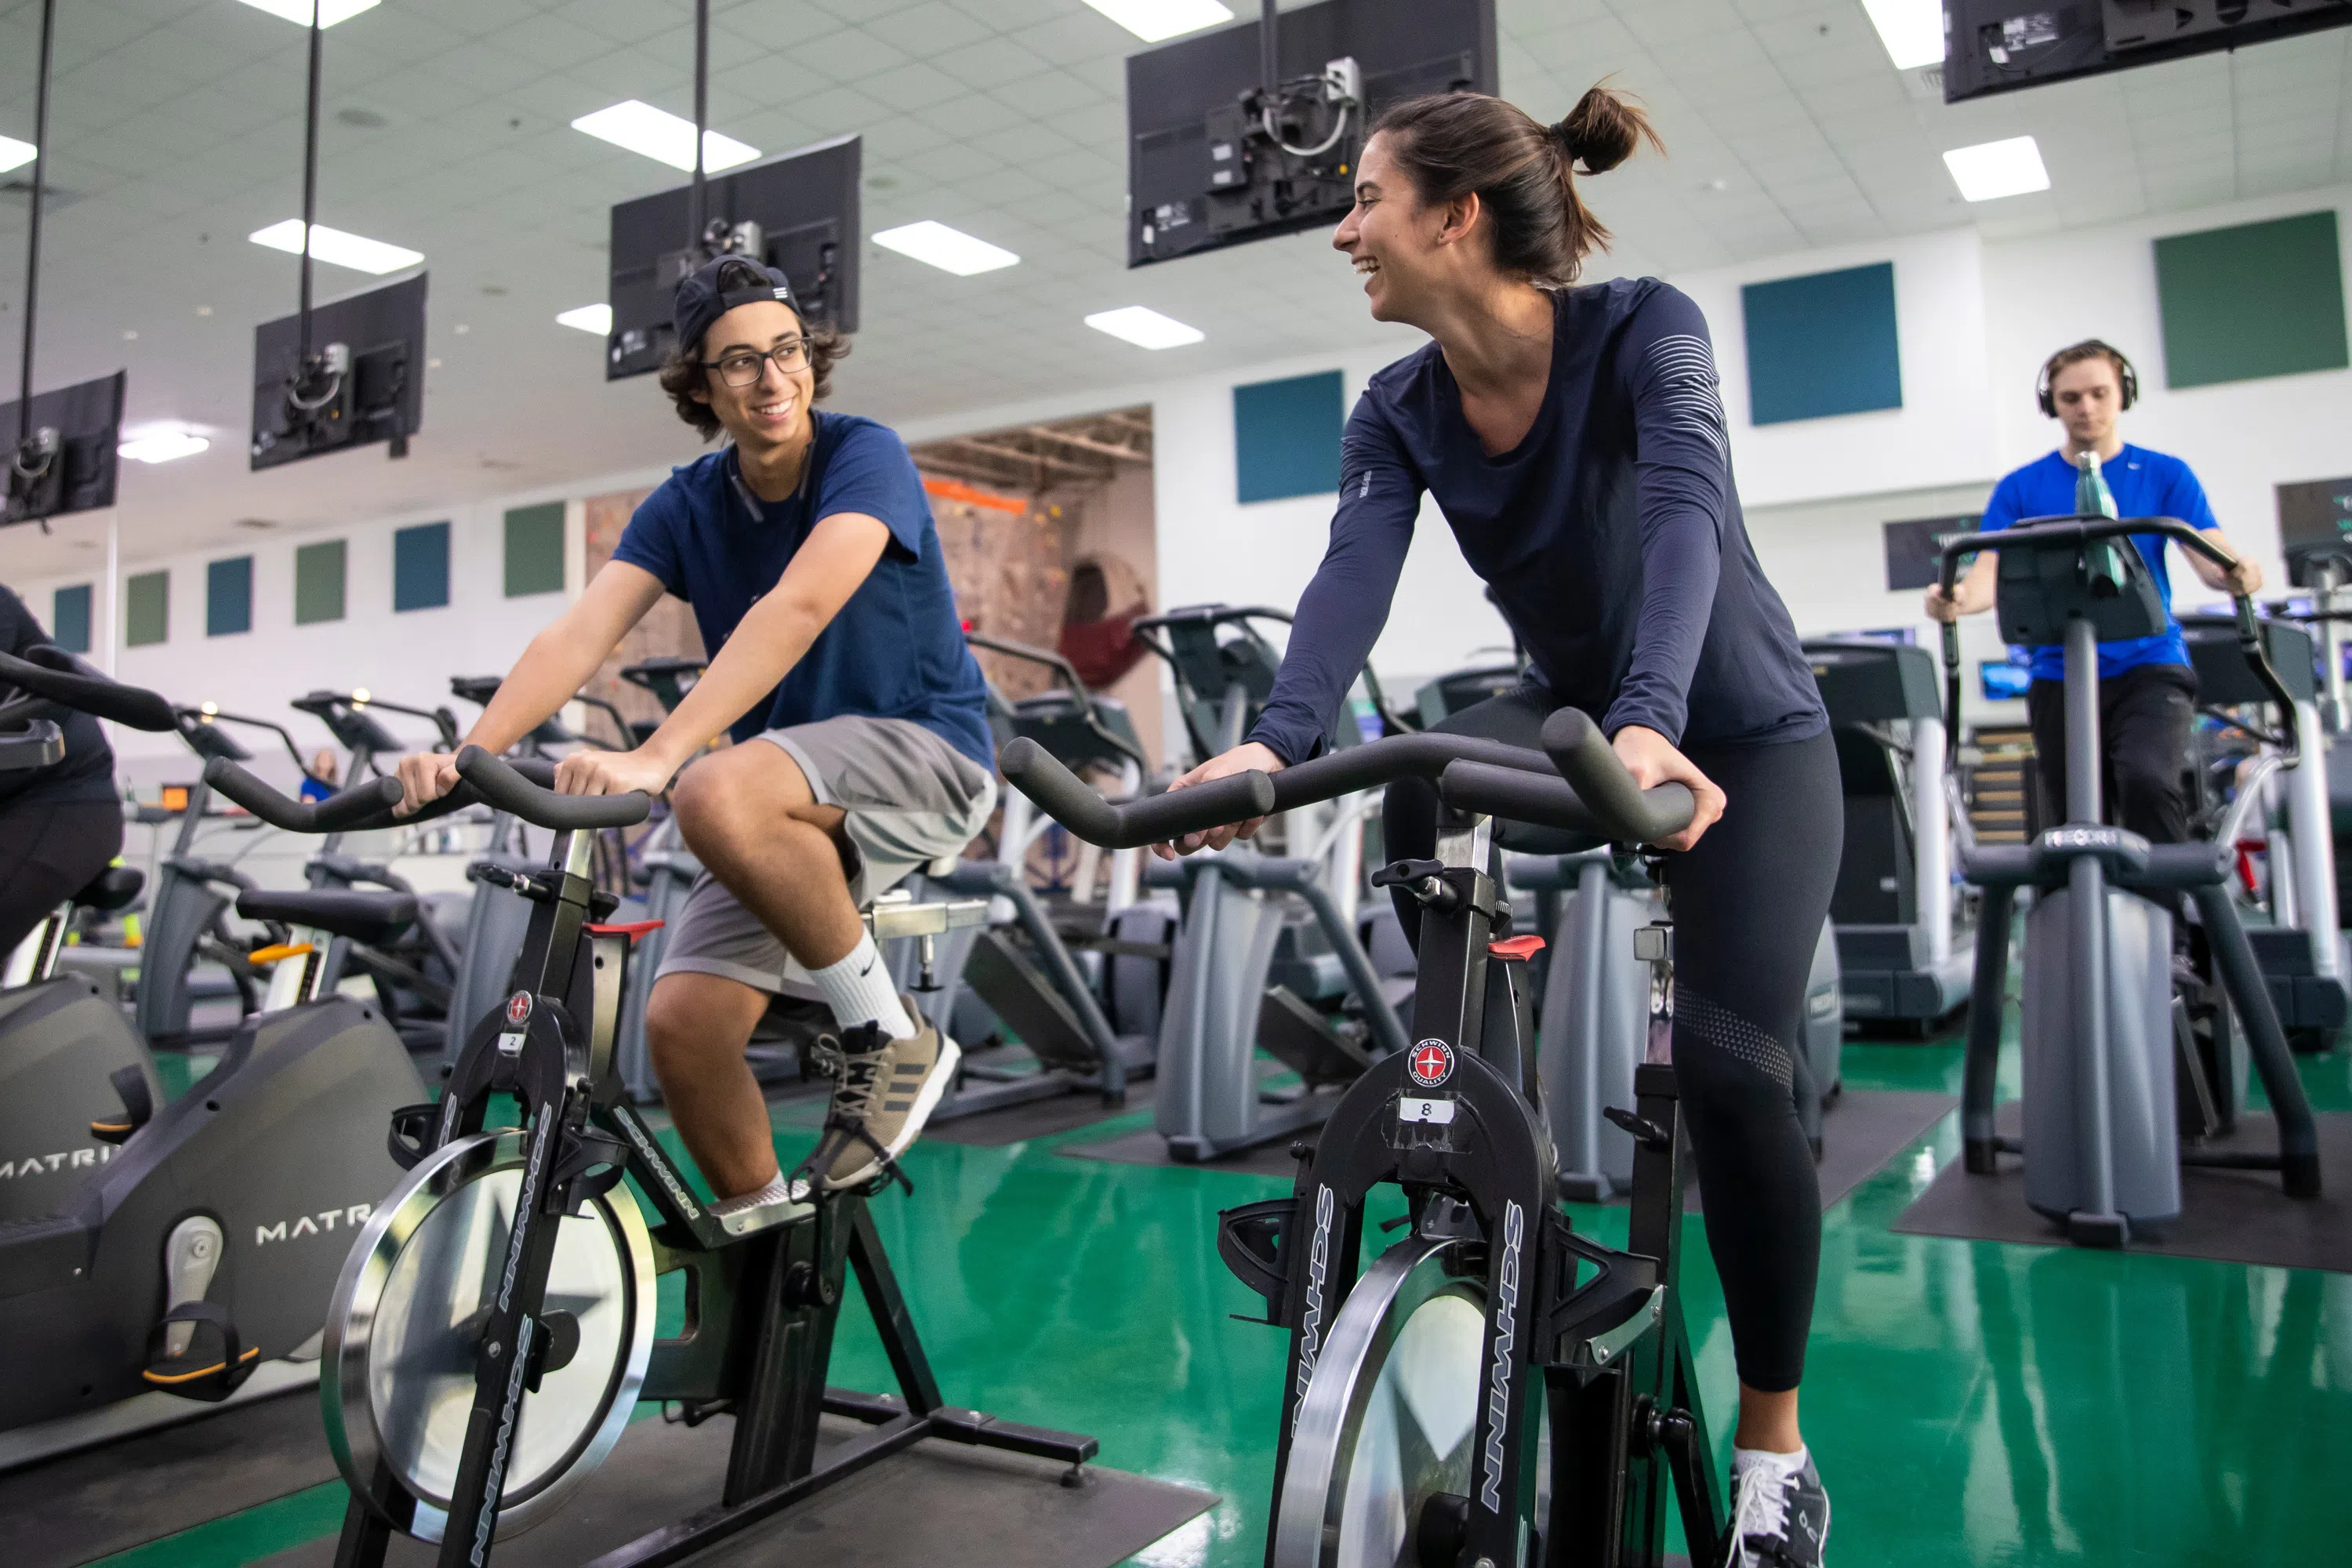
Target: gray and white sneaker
(884,1090)
(1779,1519)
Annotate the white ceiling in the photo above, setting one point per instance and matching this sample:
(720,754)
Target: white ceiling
(177,129)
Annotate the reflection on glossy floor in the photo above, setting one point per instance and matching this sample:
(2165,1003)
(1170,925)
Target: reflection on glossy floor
(1971,1404)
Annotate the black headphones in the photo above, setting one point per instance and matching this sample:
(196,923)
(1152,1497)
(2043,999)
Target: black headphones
(2124,373)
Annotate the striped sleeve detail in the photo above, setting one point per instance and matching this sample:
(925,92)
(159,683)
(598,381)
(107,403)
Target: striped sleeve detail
(1682,369)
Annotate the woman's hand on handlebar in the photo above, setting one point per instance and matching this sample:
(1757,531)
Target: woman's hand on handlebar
(425,777)
(1652,760)
(1249,756)
(592,772)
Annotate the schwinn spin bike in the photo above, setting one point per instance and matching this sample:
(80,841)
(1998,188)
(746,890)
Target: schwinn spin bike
(493,1328)
(1412,1432)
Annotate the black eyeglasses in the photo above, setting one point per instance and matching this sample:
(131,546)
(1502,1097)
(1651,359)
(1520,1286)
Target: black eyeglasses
(743,369)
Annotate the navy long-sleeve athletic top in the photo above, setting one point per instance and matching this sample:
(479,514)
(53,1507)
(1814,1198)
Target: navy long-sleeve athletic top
(1611,536)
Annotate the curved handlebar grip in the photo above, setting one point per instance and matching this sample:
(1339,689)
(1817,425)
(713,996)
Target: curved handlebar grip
(349,809)
(510,791)
(134,706)
(39,744)
(1155,820)
(1619,808)
(1546,799)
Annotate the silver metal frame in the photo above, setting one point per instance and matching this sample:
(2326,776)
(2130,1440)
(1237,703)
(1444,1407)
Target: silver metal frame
(350,1414)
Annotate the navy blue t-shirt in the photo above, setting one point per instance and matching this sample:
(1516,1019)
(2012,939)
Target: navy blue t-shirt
(2145,484)
(1611,536)
(896,650)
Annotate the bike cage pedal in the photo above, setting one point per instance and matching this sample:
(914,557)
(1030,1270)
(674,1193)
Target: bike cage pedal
(411,1134)
(210,1382)
(1249,1240)
(138,1107)
(592,1164)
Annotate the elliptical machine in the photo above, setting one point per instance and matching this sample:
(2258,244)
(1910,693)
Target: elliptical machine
(2103,1036)
(1494,1388)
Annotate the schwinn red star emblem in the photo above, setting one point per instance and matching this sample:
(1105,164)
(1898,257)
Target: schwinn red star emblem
(519,1008)
(1430,1064)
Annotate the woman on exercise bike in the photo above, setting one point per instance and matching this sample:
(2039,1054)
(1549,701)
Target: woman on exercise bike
(1574,439)
(59,826)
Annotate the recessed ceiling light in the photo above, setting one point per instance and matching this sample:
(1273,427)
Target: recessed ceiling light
(163,446)
(351,250)
(15,154)
(1144,327)
(1992,170)
(298,11)
(663,136)
(1152,20)
(949,249)
(596,319)
(1912,30)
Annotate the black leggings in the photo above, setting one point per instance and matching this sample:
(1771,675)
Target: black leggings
(1749,902)
(49,852)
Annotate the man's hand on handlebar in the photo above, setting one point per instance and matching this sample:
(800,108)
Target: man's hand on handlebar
(1251,755)
(425,777)
(1652,760)
(589,772)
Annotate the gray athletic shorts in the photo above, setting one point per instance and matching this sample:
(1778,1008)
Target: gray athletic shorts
(911,798)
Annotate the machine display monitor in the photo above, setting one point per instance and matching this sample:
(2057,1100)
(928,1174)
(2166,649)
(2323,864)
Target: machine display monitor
(798,213)
(75,470)
(1999,45)
(1202,170)
(372,383)
(1912,558)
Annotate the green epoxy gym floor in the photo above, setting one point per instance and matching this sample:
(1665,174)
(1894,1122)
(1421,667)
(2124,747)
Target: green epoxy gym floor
(1971,1404)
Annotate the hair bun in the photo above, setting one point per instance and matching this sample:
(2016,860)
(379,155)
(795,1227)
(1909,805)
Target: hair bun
(1603,130)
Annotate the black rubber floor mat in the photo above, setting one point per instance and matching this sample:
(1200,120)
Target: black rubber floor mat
(1047,1118)
(83,1506)
(2231,1216)
(1862,1130)
(1146,1147)
(937,1502)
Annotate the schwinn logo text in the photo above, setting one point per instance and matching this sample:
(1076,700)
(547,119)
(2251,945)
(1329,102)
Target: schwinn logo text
(50,1164)
(496,1482)
(521,1235)
(1318,1263)
(678,1195)
(1506,1335)
(319,1223)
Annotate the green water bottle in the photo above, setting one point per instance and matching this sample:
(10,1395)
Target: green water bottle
(2092,496)
(2103,563)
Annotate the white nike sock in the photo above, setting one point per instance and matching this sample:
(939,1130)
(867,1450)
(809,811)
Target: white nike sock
(775,1191)
(1787,1463)
(859,991)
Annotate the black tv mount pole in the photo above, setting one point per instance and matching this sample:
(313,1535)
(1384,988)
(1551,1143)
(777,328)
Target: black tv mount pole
(697,242)
(1269,52)
(309,181)
(36,451)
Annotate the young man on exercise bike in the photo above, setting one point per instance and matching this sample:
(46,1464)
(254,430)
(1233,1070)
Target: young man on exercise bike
(808,554)
(2147,696)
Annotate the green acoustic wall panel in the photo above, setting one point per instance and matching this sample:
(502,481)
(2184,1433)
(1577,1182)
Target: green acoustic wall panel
(319,581)
(147,609)
(70,619)
(1822,344)
(420,567)
(2262,298)
(228,597)
(535,550)
(1286,436)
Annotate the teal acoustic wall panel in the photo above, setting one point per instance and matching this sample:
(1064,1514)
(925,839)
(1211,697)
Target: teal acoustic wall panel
(228,597)
(1286,436)
(1822,344)
(70,619)
(2258,300)
(420,567)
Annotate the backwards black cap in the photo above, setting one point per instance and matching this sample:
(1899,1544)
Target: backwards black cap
(706,296)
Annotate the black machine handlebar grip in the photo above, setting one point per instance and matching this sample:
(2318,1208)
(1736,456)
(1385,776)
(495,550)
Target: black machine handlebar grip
(1215,615)
(1625,811)
(338,813)
(514,790)
(1549,801)
(1155,819)
(129,705)
(1424,756)
(38,745)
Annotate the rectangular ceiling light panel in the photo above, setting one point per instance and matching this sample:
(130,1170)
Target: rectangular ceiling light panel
(15,154)
(1912,30)
(298,11)
(354,251)
(1992,170)
(949,249)
(163,445)
(663,137)
(1152,20)
(1144,327)
(596,319)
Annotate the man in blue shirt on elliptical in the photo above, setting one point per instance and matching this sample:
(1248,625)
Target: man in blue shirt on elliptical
(2147,691)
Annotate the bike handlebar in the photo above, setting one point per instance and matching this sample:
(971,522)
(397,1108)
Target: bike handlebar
(355,808)
(521,788)
(512,788)
(1577,783)
(94,694)
(39,744)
